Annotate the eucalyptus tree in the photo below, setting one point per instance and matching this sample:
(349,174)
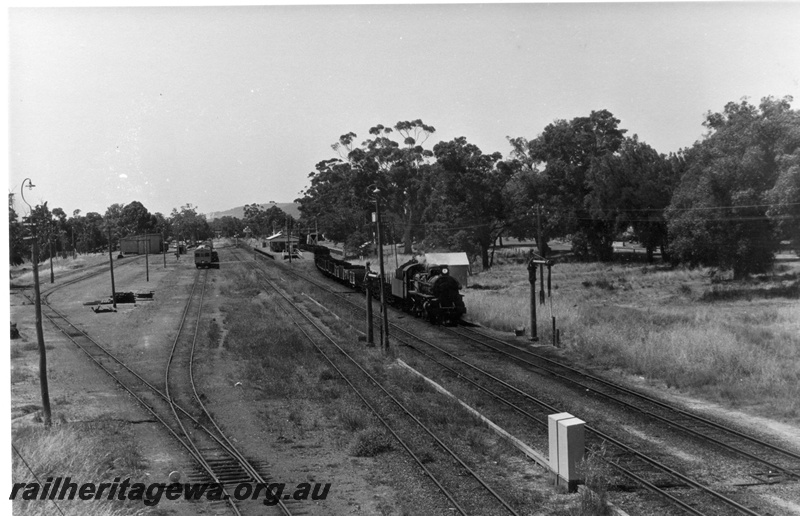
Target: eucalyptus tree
(568,151)
(256,220)
(466,206)
(95,236)
(41,226)
(135,219)
(631,188)
(523,191)
(187,224)
(739,195)
(397,168)
(227,226)
(17,249)
(112,222)
(337,201)
(263,222)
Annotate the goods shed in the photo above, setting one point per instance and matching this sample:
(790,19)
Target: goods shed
(141,244)
(458,263)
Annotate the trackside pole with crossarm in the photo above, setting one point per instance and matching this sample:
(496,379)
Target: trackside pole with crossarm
(368,288)
(384,314)
(532,280)
(532,265)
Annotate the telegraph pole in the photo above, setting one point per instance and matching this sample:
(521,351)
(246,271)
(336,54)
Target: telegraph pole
(50,242)
(541,261)
(288,239)
(111,262)
(384,314)
(532,281)
(368,284)
(147,252)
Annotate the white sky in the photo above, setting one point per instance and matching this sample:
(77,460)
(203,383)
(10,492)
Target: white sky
(224,106)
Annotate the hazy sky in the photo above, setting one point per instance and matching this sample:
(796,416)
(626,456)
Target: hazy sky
(224,106)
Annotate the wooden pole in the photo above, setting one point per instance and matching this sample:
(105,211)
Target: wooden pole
(46,415)
(385,315)
(368,289)
(50,242)
(111,263)
(146,257)
(532,281)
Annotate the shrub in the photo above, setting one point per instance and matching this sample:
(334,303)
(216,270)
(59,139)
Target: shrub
(370,442)
(594,500)
(353,419)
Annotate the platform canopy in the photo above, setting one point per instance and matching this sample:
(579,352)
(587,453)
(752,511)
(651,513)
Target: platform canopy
(281,238)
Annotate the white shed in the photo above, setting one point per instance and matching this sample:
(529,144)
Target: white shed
(458,263)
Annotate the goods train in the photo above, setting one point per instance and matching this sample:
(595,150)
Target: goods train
(425,290)
(205,256)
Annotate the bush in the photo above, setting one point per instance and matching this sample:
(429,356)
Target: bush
(353,419)
(370,442)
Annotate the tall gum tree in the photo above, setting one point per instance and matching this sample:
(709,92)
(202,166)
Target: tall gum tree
(338,201)
(631,188)
(466,208)
(737,197)
(568,150)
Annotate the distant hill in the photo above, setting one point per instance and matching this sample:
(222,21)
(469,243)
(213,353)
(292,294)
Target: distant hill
(289,207)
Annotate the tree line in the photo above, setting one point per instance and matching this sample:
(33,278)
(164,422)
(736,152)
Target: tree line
(60,235)
(727,201)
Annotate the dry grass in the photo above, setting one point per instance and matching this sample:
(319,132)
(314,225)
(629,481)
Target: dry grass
(22,275)
(736,342)
(86,453)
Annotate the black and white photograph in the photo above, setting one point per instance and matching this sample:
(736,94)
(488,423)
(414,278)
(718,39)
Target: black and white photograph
(402,259)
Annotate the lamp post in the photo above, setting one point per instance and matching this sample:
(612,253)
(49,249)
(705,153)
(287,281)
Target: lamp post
(38,301)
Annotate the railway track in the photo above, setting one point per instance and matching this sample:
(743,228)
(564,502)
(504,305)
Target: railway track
(191,425)
(779,464)
(211,447)
(647,471)
(405,427)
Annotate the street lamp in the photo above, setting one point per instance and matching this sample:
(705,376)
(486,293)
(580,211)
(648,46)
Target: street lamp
(38,302)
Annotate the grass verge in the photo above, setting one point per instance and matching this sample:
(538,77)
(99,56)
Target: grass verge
(733,342)
(89,452)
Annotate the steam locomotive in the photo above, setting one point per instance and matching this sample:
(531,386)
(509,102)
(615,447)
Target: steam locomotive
(425,290)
